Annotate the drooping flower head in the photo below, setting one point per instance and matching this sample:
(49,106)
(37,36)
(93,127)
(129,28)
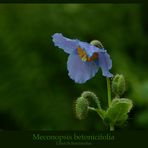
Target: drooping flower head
(84,59)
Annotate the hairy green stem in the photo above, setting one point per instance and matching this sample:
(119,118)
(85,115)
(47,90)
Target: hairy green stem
(108,91)
(109,99)
(91,108)
(99,112)
(90,95)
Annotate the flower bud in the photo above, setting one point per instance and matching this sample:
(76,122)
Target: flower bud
(118,85)
(81,108)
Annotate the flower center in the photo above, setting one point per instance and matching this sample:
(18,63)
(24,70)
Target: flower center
(83,55)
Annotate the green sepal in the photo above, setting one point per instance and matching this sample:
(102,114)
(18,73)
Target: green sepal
(117,112)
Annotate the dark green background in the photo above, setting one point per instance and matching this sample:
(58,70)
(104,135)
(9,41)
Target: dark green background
(35,90)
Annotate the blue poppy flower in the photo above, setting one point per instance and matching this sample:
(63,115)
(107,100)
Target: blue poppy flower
(84,59)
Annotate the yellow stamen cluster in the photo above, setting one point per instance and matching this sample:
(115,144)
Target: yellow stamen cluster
(83,55)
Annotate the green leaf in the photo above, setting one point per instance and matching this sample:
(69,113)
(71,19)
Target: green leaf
(117,112)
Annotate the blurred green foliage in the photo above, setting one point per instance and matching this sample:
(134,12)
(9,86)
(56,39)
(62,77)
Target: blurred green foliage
(35,90)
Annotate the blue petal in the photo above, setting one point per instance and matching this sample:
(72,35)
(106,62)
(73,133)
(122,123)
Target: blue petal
(90,49)
(105,63)
(66,44)
(80,71)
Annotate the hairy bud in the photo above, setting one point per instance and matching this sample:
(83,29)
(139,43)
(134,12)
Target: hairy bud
(81,108)
(118,85)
